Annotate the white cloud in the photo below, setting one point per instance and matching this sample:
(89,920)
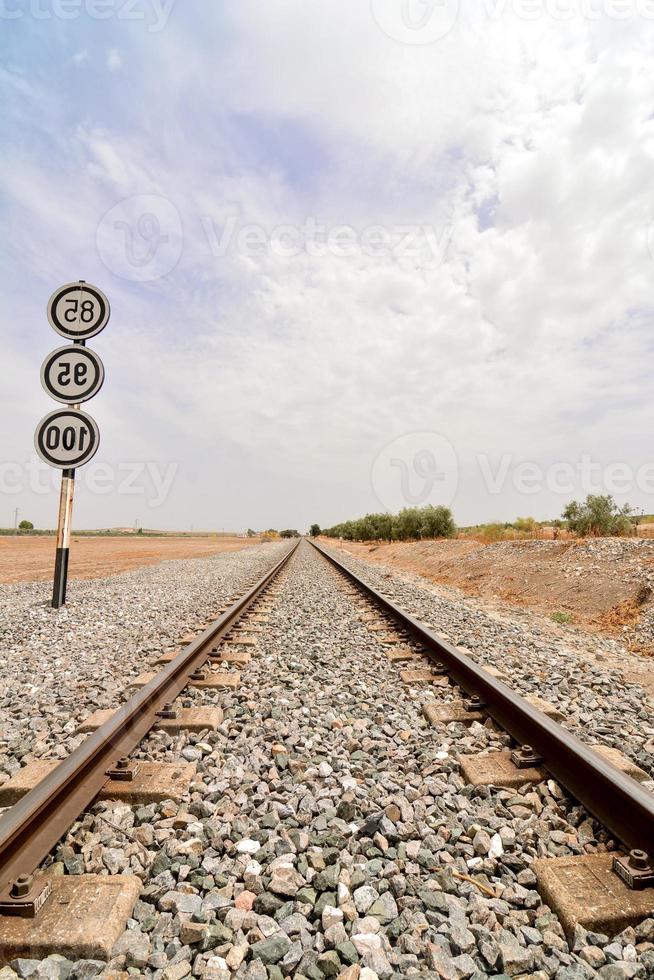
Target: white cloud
(529,144)
(114,60)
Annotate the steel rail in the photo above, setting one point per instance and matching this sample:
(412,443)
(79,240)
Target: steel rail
(31,828)
(616,800)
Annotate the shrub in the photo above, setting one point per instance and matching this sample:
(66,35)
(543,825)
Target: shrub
(525,525)
(493,532)
(25,526)
(598,516)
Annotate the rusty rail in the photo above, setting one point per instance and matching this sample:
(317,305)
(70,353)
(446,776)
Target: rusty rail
(617,800)
(31,828)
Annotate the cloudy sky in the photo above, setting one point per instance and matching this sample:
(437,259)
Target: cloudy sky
(360,254)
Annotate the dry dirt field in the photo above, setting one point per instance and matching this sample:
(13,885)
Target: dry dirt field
(598,584)
(29,559)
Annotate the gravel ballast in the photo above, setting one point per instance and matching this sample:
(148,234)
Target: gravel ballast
(56,666)
(328,831)
(583,675)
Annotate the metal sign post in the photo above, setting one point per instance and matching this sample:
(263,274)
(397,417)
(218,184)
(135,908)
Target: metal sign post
(63,537)
(68,437)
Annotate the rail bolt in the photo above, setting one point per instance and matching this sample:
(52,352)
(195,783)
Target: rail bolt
(526,757)
(638,859)
(21,886)
(197,675)
(122,763)
(634,868)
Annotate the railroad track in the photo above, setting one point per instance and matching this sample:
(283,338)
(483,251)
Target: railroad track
(617,800)
(33,826)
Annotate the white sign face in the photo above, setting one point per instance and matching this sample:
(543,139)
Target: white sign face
(72,374)
(78,311)
(66,438)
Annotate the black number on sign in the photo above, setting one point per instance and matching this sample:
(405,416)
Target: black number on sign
(71,314)
(63,378)
(52,437)
(87,311)
(81,370)
(68,438)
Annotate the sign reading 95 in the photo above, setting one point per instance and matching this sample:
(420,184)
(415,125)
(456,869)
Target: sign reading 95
(78,311)
(72,374)
(67,438)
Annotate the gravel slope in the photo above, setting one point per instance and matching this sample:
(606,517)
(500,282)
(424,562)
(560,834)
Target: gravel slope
(328,831)
(605,585)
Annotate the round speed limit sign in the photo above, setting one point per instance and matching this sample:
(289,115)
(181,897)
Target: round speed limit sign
(78,311)
(72,374)
(66,438)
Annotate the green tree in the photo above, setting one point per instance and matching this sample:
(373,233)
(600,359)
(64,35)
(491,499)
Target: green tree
(437,522)
(26,526)
(384,527)
(314,530)
(409,523)
(289,533)
(598,516)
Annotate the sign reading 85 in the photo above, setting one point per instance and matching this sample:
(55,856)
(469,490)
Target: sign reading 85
(78,311)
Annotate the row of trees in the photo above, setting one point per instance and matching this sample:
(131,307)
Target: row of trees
(288,532)
(410,524)
(596,516)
